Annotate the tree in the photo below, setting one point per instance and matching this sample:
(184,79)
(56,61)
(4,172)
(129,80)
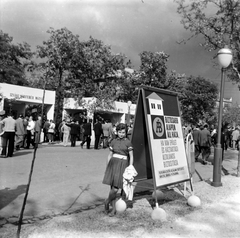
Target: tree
(60,54)
(198,100)
(128,85)
(231,115)
(153,69)
(219,27)
(79,69)
(99,73)
(152,73)
(218,23)
(12,59)
(100,65)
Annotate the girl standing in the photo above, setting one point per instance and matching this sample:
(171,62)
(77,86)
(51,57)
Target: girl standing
(120,156)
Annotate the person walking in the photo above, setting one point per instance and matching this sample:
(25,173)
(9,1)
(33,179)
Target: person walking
(235,135)
(74,132)
(30,132)
(120,156)
(20,132)
(205,143)
(97,132)
(25,124)
(66,132)
(228,138)
(213,133)
(60,133)
(38,130)
(196,137)
(107,132)
(51,132)
(2,139)
(9,127)
(46,126)
(130,131)
(114,132)
(87,133)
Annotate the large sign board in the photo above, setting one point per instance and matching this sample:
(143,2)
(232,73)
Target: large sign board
(159,150)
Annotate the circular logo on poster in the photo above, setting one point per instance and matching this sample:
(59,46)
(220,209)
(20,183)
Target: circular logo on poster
(158,126)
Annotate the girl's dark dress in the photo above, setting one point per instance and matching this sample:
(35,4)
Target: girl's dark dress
(116,166)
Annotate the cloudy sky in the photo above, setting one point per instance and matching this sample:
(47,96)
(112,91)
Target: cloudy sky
(129,26)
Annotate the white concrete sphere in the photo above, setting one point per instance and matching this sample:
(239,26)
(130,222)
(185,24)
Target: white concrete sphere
(159,214)
(159,193)
(121,206)
(194,201)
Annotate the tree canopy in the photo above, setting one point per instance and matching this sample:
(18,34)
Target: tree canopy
(198,100)
(78,69)
(218,23)
(12,58)
(231,115)
(153,69)
(60,53)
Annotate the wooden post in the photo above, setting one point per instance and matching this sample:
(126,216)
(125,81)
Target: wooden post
(31,170)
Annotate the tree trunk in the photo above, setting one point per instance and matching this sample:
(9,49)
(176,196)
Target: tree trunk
(59,97)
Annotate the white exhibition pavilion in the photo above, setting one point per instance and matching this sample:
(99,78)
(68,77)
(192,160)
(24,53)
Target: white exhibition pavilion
(20,97)
(118,113)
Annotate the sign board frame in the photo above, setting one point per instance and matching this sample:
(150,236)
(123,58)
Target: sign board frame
(157,138)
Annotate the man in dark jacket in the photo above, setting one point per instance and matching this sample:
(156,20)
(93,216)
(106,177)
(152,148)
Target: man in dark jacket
(45,130)
(9,134)
(37,130)
(87,127)
(75,130)
(205,143)
(196,135)
(98,132)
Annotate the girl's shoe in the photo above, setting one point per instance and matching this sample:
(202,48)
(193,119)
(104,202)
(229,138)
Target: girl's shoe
(112,213)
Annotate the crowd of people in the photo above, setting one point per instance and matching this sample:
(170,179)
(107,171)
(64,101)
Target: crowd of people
(27,131)
(104,131)
(18,133)
(204,138)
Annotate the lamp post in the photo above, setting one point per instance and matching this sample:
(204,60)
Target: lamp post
(129,103)
(224,57)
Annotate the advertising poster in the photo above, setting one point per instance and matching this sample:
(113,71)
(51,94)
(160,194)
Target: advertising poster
(165,140)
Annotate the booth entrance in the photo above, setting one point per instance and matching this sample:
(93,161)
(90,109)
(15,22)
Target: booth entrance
(113,117)
(79,115)
(24,108)
(119,113)
(18,98)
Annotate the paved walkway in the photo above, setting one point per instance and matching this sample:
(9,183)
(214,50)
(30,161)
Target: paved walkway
(67,179)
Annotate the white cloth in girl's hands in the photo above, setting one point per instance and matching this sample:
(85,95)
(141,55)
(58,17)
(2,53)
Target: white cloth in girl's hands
(129,173)
(128,177)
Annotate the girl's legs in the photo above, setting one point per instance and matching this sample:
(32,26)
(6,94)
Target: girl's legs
(111,199)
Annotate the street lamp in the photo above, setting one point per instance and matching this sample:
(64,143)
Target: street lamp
(224,57)
(129,103)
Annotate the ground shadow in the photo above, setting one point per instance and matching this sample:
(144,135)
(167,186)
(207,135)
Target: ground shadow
(21,153)
(8,195)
